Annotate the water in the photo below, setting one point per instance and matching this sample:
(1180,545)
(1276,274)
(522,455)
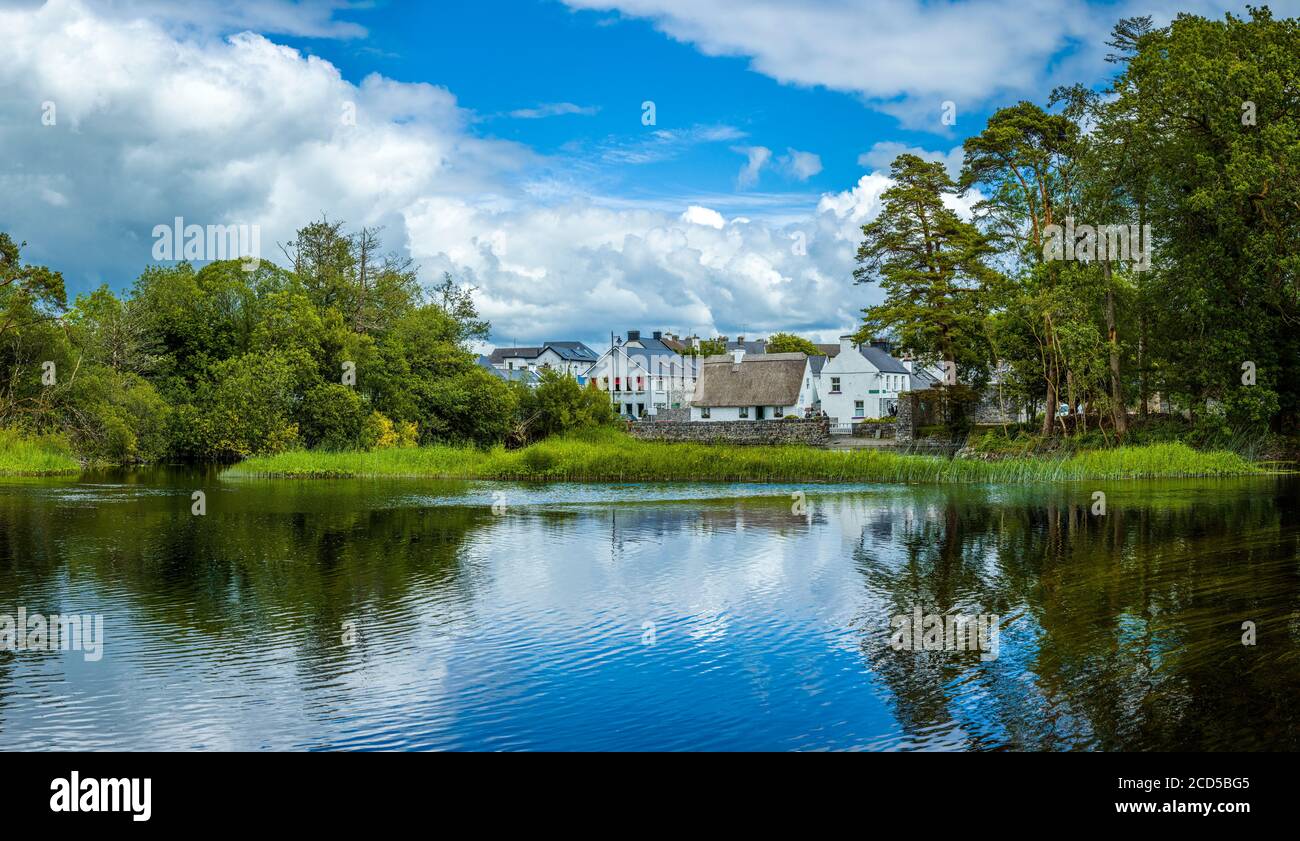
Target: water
(649,617)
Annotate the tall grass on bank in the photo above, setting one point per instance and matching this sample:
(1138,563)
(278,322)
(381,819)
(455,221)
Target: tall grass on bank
(23,454)
(608,455)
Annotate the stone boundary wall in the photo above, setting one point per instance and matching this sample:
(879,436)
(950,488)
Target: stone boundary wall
(814,432)
(671,415)
(875,430)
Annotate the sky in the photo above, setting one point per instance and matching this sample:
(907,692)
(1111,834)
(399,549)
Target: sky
(588,166)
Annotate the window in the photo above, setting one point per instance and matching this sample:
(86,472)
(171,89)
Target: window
(704,412)
(859,411)
(744,411)
(835,385)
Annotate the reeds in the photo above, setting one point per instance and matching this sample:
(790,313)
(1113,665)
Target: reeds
(611,456)
(25,454)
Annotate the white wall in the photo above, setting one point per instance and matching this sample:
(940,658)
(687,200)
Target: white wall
(732,413)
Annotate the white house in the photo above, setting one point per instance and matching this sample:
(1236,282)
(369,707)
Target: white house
(571,358)
(644,376)
(741,386)
(861,381)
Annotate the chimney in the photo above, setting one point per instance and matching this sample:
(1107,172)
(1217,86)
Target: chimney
(741,338)
(634,335)
(883,344)
(846,343)
(738,355)
(658,334)
(695,342)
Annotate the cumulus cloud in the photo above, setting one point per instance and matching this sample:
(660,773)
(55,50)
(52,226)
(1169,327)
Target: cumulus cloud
(152,125)
(882,154)
(697,215)
(906,57)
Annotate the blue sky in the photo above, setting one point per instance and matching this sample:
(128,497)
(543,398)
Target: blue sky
(545,53)
(503,141)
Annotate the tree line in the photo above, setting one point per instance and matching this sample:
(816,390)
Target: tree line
(1051,291)
(343,350)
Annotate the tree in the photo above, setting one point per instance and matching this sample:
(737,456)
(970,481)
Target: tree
(1023,161)
(27,293)
(557,405)
(712,347)
(932,267)
(790,343)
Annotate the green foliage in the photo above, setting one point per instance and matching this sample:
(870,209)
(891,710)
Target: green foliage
(790,343)
(333,417)
(558,404)
(712,347)
(609,455)
(27,454)
(932,267)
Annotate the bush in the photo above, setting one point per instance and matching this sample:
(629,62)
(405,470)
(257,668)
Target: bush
(380,433)
(558,405)
(332,417)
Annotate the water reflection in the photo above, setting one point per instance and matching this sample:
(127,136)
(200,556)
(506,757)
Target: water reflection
(409,615)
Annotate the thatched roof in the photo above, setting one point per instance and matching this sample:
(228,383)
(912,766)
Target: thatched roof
(770,379)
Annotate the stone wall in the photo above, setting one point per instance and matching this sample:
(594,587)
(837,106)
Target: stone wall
(815,432)
(905,426)
(875,430)
(671,415)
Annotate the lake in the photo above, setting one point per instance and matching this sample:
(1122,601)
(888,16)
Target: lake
(452,615)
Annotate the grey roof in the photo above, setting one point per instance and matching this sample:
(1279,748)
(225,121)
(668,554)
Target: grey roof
(816,363)
(755,346)
(921,381)
(573,351)
(568,351)
(829,350)
(653,345)
(519,375)
(501,354)
(882,360)
(772,379)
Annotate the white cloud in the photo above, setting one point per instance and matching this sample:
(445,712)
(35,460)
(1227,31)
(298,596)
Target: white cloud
(153,125)
(882,154)
(756,157)
(906,57)
(697,215)
(554,109)
(801,165)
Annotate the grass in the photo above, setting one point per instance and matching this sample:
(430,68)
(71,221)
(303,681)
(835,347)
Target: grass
(23,454)
(608,455)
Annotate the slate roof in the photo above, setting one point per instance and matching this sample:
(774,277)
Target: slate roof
(771,379)
(882,360)
(754,346)
(573,351)
(501,354)
(521,375)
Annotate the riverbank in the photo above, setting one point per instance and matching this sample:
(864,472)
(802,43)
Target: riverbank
(36,455)
(610,456)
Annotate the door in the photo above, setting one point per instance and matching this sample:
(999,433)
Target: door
(758,412)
